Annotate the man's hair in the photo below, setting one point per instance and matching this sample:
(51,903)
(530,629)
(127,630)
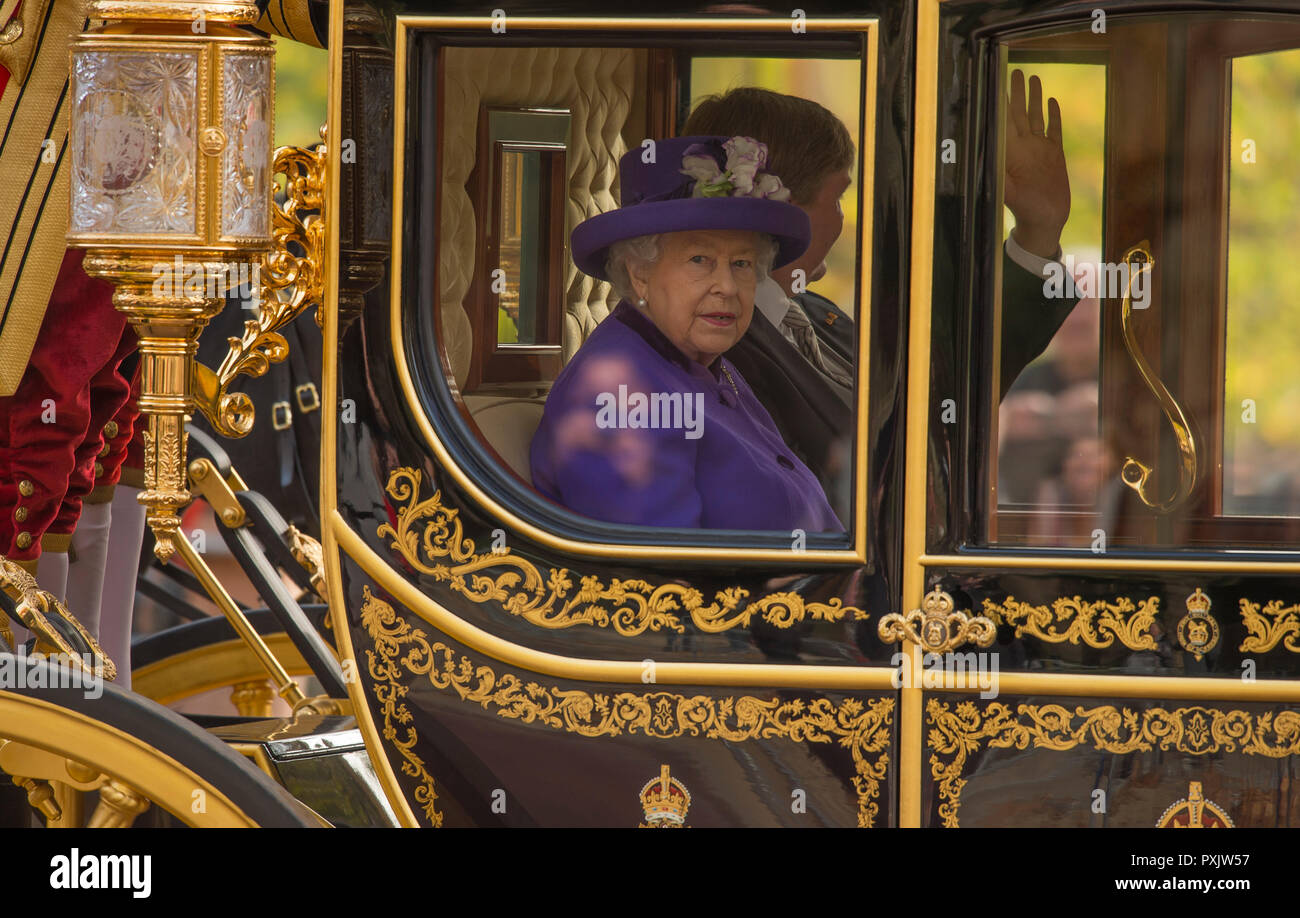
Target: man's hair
(805,142)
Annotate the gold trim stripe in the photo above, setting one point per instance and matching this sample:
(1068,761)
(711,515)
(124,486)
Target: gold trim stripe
(329,312)
(1056,564)
(916,451)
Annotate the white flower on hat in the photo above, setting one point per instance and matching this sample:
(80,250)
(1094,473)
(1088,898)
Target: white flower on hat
(745,156)
(710,181)
(742,176)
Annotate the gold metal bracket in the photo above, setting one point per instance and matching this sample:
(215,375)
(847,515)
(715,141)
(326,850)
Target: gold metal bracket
(938,627)
(285,687)
(307,552)
(1135,473)
(208,484)
(36,608)
(290,284)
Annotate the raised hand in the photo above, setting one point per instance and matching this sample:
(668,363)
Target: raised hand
(1037,183)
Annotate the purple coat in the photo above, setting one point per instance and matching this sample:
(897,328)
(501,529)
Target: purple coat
(634,432)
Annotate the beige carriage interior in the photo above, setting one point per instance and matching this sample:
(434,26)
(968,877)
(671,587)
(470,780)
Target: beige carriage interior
(603,93)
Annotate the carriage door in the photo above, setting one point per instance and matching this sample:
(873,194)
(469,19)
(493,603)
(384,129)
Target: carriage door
(519,663)
(1113,493)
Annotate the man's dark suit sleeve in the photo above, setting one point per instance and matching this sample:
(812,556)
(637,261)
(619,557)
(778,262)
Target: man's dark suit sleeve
(1030,320)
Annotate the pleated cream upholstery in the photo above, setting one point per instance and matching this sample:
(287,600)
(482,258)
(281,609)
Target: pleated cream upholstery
(596,86)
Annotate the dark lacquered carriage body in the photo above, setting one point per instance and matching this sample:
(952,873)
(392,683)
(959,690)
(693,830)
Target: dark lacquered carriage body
(517,665)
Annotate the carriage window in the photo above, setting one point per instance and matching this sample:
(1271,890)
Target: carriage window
(519,185)
(1048,421)
(1144,371)
(654,404)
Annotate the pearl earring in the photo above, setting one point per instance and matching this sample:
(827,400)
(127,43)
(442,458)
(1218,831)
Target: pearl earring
(641,302)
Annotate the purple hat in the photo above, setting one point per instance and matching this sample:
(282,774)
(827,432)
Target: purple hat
(694,183)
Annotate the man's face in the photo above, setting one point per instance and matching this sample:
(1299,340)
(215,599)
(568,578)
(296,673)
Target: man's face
(827,223)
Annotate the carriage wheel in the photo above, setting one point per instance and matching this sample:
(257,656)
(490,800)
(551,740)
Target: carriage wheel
(58,743)
(204,655)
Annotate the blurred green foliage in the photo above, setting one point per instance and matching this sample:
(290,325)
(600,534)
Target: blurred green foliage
(1263,269)
(301,80)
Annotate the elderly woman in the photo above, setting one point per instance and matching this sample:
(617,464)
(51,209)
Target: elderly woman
(649,424)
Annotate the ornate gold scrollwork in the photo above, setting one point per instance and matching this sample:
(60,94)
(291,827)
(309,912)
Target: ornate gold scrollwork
(864,728)
(429,534)
(1095,623)
(938,627)
(35,607)
(290,284)
(1192,730)
(1275,622)
(1135,473)
(307,552)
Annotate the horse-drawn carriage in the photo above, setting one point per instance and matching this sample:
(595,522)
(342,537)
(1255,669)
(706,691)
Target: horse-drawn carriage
(1063,593)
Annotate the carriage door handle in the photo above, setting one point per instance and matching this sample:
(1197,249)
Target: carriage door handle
(1135,473)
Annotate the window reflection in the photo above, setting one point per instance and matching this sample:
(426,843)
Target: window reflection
(1261,430)
(1193,394)
(1050,453)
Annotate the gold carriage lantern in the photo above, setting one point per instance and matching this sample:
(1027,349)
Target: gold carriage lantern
(170,142)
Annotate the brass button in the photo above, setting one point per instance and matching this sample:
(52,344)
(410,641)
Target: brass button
(20,514)
(110,429)
(104,450)
(24,540)
(99,469)
(12,32)
(26,488)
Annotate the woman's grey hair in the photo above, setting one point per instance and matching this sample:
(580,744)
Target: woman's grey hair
(646,249)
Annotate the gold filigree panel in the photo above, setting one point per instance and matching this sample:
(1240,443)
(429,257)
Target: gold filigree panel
(1274,622)
(401,652)
(1073,619)
(957,733)
(1099,623)
(429,536)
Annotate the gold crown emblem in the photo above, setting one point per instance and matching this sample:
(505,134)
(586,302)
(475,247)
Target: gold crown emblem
(1195,812)
(1197,631)
(665,801)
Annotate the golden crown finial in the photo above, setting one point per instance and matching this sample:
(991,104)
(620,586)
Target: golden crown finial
(665,801)
(1198,602)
